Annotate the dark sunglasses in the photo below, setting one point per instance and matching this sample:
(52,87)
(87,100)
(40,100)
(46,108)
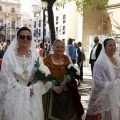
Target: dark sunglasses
(23,37)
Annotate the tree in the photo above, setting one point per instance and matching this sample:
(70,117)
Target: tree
(94,4)
(51,20)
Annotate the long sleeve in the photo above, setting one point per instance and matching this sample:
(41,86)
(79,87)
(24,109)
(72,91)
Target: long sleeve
(40,86)
(12,82)
(17,96)
(102,79)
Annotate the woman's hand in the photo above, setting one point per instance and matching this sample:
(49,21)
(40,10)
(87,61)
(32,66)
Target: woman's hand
(31,92)
(57,89)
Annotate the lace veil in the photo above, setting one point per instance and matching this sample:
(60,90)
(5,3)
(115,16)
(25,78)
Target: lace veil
(9,57)
(9,67)
(105,91)
(14,45)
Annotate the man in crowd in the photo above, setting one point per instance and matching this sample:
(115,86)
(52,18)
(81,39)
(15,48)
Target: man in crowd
(95,52)
(71,49)
(80,59)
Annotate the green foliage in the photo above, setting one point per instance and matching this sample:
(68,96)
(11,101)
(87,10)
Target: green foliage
(94,4)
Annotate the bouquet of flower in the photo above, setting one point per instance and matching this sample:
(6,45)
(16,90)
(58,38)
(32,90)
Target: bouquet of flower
(40,72)
(73,72)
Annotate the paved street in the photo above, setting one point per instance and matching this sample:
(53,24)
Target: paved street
(85,87)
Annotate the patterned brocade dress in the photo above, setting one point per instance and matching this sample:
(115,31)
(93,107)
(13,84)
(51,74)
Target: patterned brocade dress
(58,106)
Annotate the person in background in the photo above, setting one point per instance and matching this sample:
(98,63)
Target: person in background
(37,48)
(45,48)
(59,103)
(0,63)
(0,45)
(1,54)
(41,50)
(48,48)
(104,102)
(79,60)
(71,49)
(4,48)
(18,99)
(75,57)
(95,52)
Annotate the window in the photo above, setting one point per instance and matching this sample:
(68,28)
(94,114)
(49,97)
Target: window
(57,19)
(34,24)
(30,26)
(57,29)
(45,32)
(63,29)
(64,18)
(39,23)
(13,25)
(39,32)
(1,25)
(25,25)
(57,8)
(64,6)
(0,8)
(34,33)
(13,10)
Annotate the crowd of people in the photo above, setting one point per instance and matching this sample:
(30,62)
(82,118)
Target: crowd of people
(3,48)
(24,95)
(43,50)
(76,53)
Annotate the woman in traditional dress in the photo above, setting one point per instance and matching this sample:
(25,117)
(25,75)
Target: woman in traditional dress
(18,99)
(104,102)
(61,103)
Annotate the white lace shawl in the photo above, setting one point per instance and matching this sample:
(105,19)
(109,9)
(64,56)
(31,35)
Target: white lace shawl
(15,98)
(105,95)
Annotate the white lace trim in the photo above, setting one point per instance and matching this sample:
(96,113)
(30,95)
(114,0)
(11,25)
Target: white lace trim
(105,96)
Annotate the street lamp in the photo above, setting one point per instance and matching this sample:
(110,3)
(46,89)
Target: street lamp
(44,7)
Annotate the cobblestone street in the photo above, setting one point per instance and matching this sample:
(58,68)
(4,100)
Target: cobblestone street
(85,88)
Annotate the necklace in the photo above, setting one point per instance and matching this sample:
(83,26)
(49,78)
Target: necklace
(58,60)
(25,71)
(55,61)
(19,53)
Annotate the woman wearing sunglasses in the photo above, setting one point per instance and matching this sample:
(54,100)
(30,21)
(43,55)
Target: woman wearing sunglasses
(18,101)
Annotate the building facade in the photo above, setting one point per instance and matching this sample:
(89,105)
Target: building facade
(27,20)
(9,19)
(104,23)
(66,21)
(40,24)
(69,23)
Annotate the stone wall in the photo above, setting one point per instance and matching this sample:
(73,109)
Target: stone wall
(100,22)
